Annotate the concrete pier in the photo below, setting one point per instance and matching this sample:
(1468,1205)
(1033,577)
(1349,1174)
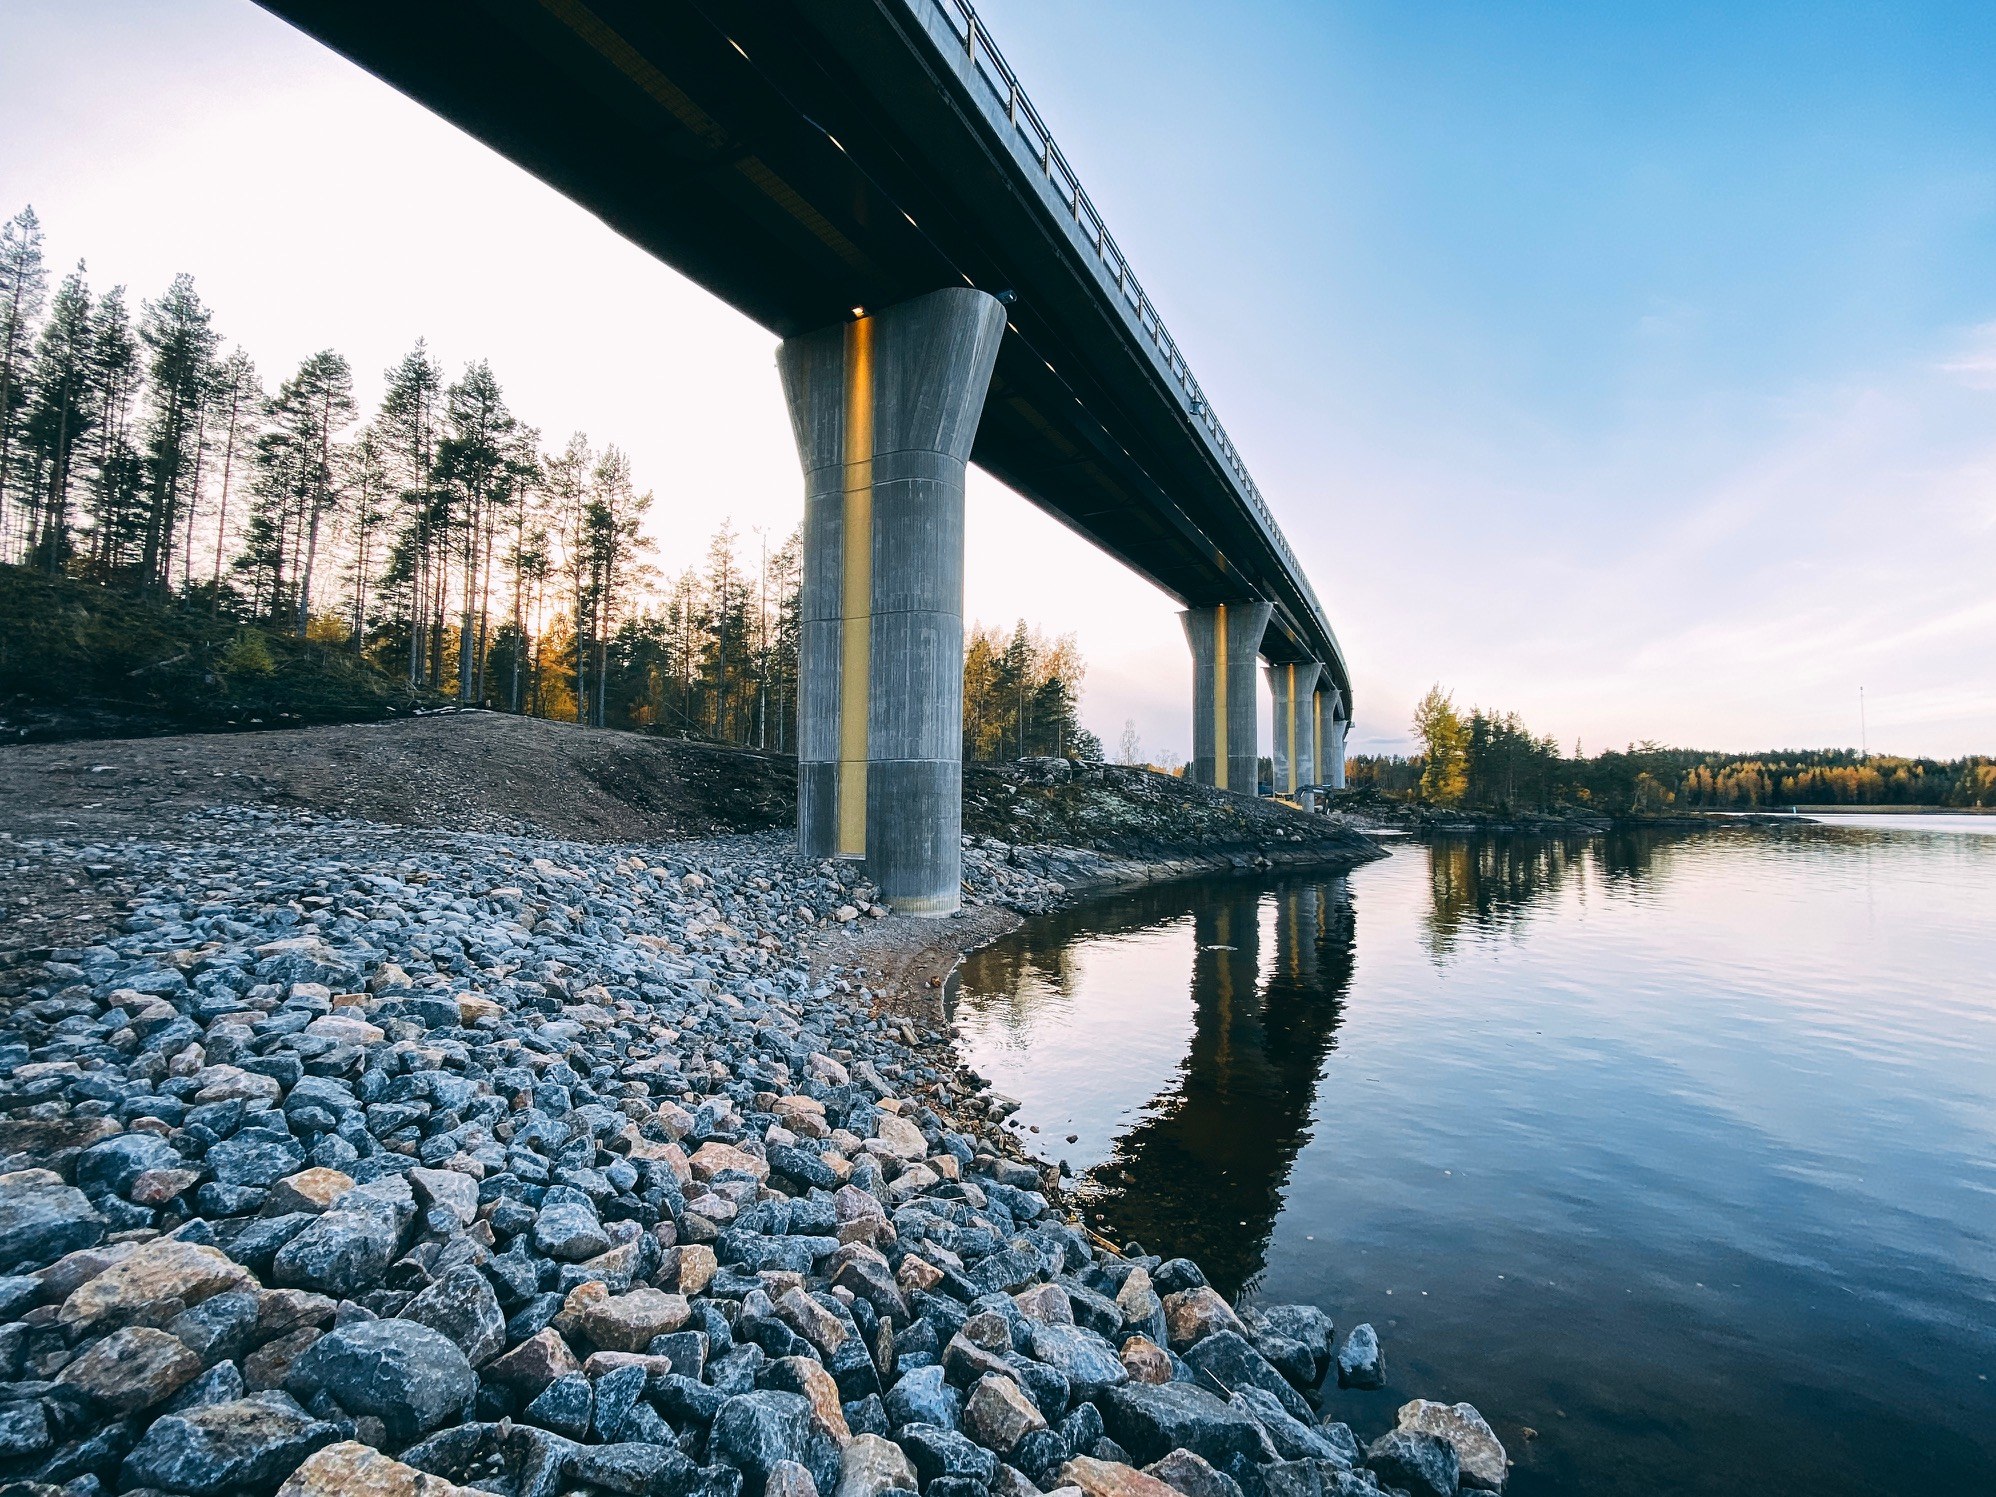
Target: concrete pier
(884,409)
(1331,721)
(1225,639)
(1293,689)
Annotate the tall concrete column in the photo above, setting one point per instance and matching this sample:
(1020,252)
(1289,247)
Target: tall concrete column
(1331,721)
(1293,688)
(884,408)
(1225,639)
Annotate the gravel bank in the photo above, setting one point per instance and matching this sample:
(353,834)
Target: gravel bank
(341,1157)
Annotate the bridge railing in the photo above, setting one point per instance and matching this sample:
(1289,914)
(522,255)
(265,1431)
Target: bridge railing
(1034,142)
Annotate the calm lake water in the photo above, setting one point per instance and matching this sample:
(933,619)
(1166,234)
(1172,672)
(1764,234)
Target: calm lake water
(1678,1150)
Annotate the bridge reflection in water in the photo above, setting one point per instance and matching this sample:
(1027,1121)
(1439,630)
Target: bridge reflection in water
(1203,1168)
(1233,1063)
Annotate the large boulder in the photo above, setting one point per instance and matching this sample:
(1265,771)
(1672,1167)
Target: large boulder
(1226,1356)
(132,1369)
(998,1415)
(343,1252)
(1361,1364)
(110,1167)
(254,1157)
(1293,1439)
(246,1445)
(1478,1451)
(923,1396)
(1088,1362)
(461,1306)
(872,1465)
(941,1454)
(1306,1325)
(407,1375)
(350,1469)
(1421,1464)
(41,1219)
(153,1286)
(568,1228)
(753,1431)
(1150,1420)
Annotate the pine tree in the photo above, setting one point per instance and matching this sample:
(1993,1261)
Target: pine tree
(116,479)
(299,485)
(479,463)
(565,483)
(180,342)
(407,425)
(367,480)
(58,420)
(23,282)
(612,543)
(238,400)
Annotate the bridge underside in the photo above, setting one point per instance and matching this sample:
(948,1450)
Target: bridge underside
(800,158)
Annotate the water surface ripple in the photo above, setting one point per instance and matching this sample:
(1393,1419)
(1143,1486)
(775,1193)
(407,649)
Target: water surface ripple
(1678,1150)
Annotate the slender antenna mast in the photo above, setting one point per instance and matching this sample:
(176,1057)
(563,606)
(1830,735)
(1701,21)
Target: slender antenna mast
(1863,731)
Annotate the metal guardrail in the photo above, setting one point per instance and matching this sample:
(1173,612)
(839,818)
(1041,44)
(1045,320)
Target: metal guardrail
(1034,143)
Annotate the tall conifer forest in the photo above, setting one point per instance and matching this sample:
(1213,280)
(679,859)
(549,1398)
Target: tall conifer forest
(439,537)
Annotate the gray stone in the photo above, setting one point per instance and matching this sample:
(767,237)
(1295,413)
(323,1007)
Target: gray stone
(1088,1362)
(340,1253)
(41,1219)
(1193,1475)
(923,1396)
(1293,1439)
(1226,1357)
(1306,1325)
(109,1168)
(220,1328)
(462,1307)
(246,1445)
(567,1405)
(1361,1363)
(1479,1452)
(24,1431)
(939,1454)
(259,1159)
(1151,1420)
(753,1431)
(633,1469)
(568,1228)
(1422,1464)
(404,1374)
(456,1193)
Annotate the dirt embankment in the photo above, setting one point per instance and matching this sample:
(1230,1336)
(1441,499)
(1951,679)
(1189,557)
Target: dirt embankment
(459,771)
(491,772)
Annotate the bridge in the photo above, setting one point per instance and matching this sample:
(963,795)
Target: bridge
(868,180)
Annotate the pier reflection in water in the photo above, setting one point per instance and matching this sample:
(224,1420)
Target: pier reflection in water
(1677,1149)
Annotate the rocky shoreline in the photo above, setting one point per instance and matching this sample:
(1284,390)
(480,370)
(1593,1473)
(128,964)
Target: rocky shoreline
(359,1158)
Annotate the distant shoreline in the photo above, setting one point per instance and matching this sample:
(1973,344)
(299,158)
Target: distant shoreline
(1893,810)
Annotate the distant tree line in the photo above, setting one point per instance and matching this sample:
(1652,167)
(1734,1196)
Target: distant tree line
(1491,761)
(436,537)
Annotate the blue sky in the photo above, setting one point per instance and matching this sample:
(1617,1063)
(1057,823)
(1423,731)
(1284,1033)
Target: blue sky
(1630,366)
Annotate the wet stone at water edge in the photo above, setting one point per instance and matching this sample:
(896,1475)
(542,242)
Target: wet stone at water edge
(368,1160)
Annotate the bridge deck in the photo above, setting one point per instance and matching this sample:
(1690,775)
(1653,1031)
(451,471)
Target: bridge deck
(803,157)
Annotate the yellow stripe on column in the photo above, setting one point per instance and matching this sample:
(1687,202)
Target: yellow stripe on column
(856,610)
(1220,697)
(1292,730)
